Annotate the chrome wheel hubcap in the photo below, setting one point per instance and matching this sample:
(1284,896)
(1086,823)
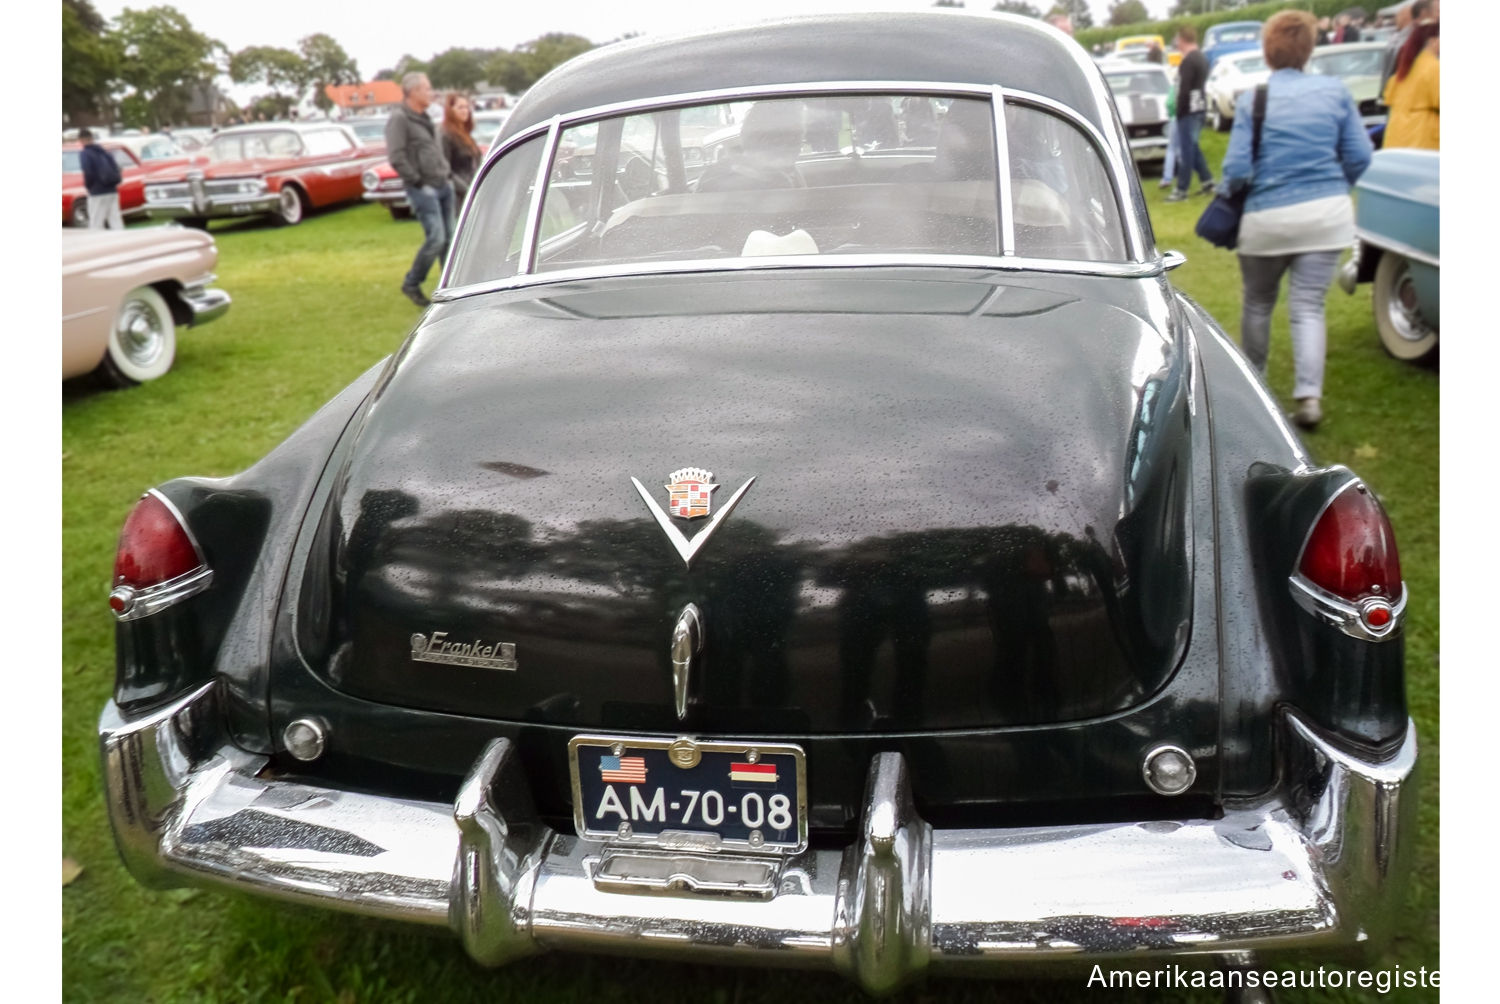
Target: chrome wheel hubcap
(1402,311)
(291,206)
(142,335)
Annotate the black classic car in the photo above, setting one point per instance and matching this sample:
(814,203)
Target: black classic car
(854,554)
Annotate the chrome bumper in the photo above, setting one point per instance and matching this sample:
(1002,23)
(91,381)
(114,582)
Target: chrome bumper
(215,206)
(386,197)
(1315,865)
(206,303)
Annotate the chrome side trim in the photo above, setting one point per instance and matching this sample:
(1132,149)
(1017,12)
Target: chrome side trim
(138,603)
(1315,863)
(1350,618)
(1399,247)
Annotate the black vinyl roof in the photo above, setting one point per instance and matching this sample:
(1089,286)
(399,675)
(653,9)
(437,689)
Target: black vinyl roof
(926,46)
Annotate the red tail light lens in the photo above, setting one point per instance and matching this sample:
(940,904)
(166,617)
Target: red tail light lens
(1351,552)
(155,549)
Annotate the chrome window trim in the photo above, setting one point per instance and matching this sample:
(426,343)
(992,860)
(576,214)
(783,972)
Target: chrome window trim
(1012,263)
(1115,159)
(1111,157)
(1005,210)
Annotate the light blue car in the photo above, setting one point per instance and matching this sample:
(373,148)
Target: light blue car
(1396,249)
(1231,36)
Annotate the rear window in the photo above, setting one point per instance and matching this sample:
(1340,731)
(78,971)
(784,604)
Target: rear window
(815,176)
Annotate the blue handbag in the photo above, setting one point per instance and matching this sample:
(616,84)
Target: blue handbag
(1220,222)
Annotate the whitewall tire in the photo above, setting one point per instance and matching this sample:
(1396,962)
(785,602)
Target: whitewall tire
(142,341)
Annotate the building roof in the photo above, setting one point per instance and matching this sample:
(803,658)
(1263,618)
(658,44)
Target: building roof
(371,94)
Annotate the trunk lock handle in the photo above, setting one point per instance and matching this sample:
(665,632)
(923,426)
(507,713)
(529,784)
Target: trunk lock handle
(687,641)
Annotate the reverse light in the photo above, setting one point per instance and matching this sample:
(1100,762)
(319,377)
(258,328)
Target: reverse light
(157,563)
(1349,572)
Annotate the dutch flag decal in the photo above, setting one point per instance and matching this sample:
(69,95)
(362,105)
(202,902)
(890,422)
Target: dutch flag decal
(752,775)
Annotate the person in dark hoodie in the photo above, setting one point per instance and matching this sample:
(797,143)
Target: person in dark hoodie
(411,142)
(101,178)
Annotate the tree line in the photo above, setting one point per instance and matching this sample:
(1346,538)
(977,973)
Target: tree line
(145,68)
(1119,13)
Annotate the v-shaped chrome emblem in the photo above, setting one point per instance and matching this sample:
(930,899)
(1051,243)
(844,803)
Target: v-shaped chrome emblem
(688,548)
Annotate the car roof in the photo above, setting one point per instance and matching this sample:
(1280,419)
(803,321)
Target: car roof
(1235,24)
(935,46)
(1324,50)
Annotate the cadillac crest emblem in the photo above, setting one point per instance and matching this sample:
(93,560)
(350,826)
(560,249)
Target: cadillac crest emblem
(691,490)
(689,496)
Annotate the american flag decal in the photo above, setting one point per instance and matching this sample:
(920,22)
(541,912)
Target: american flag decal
(626,769)
(690,491)
(751,775)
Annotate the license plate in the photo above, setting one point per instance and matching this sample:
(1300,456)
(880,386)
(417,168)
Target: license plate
(689,794)
(240,208)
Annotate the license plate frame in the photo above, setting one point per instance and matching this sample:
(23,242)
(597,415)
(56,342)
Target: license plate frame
(689,766)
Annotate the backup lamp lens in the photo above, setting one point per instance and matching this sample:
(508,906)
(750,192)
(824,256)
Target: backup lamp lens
(154,547)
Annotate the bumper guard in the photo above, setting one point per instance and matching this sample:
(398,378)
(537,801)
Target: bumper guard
(1316,864)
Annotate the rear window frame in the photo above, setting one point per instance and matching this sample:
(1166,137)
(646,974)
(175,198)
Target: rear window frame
(1141,257)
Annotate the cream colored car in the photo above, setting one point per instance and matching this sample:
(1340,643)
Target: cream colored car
(125,293)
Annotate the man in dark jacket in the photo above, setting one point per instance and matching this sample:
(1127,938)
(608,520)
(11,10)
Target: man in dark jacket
(412,144)
(101,178)
(1192,104)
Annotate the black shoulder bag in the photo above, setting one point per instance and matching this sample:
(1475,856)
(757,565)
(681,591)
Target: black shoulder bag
(1220,222)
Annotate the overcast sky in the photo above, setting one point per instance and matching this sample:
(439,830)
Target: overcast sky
(376,33)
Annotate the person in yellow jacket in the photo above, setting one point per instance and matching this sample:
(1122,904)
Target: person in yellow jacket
(1412,92)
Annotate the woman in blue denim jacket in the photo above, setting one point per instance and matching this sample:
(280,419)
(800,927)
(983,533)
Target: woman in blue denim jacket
(1298,215)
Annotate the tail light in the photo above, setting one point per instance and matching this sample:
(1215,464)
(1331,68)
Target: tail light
(158,563)
(1349,572)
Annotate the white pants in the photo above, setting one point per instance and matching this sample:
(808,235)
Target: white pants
(104,211)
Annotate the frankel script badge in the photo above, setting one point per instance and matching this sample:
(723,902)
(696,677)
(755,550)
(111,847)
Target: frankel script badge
(689,494)
(500,655)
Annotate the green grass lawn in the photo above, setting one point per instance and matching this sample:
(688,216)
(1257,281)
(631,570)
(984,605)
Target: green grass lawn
(317,304)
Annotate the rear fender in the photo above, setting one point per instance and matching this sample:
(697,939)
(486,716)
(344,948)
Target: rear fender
(245,526)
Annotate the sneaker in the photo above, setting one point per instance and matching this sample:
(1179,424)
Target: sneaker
(1176,195)
(1309,412)
(1164,183)
(414,294)
(1207,189)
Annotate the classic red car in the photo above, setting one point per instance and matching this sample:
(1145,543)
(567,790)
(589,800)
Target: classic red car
(281,169)
(138,157)
(383,185)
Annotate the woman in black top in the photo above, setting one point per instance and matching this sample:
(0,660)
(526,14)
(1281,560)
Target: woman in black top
(459,145)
